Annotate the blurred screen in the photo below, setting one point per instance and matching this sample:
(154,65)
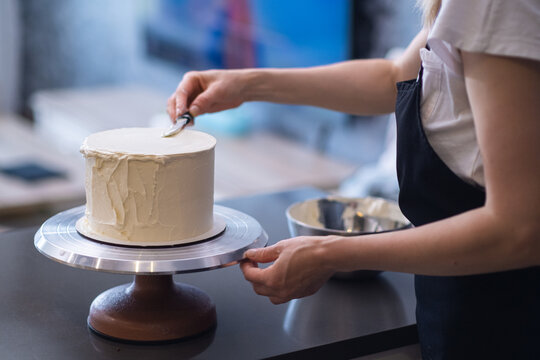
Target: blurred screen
(204,34)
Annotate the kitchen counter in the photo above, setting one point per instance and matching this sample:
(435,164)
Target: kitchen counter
(243,166)
(45,305)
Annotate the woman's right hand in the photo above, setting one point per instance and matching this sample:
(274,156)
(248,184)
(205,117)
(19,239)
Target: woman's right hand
(209,91)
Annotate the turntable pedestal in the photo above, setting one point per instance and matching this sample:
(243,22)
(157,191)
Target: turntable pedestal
(152,308)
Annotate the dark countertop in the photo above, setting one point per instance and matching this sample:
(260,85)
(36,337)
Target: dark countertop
(45,305)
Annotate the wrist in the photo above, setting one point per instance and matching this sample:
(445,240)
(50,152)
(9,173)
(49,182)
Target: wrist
(350,253)
(328,253)
(256,84)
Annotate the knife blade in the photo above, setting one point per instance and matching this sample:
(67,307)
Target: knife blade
(181,122)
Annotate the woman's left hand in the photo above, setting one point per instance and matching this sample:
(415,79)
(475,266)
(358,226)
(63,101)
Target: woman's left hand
(299,268)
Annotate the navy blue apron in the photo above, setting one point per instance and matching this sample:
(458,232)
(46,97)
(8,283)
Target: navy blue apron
(487,316)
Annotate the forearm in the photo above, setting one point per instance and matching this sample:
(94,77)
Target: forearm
(501,235)
(363,87)
(355,87)
(471,243)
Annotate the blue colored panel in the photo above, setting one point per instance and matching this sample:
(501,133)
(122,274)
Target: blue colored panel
(244,33)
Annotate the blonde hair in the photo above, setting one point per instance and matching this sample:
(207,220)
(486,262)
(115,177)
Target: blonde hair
(430,9)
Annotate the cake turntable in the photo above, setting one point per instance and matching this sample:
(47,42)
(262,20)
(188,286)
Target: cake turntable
(153,308)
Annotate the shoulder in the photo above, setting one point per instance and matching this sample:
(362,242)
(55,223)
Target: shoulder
(496,27)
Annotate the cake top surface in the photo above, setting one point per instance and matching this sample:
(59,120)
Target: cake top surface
(147,141)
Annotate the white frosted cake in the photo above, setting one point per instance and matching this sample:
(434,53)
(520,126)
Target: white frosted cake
(144,189)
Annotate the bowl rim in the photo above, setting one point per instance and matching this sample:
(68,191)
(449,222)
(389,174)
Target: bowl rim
(343,232)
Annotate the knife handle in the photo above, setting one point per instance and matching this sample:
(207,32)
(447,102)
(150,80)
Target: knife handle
(187,116)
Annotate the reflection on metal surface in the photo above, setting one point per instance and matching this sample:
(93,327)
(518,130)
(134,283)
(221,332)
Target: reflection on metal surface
(113,349)
(59,240)
(359,308)
(344,216)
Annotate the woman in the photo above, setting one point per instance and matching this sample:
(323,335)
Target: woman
(468,169)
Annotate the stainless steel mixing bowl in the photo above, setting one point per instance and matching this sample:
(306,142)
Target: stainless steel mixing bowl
(346,217)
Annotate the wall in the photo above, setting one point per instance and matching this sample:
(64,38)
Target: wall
(76,43)
(79,43)
(9,56)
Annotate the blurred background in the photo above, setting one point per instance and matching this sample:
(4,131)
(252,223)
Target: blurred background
(69,68)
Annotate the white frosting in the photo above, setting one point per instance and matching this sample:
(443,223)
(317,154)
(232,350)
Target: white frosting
(143,188)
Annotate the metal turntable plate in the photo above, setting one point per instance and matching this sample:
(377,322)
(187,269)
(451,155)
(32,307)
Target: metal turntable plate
(83,228)
(59,240)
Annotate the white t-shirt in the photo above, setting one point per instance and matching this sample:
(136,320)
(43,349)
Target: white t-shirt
(497,27)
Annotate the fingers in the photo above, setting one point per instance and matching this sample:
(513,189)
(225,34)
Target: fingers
(180,98)
(259,279)
(171,106)
(252,273)
(188,89)
(201,103)
(209,91)
(278,300)
(270,293)
(262,282)
(195,110)
(264,255)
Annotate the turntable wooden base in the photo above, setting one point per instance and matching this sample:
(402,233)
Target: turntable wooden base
(152,309)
